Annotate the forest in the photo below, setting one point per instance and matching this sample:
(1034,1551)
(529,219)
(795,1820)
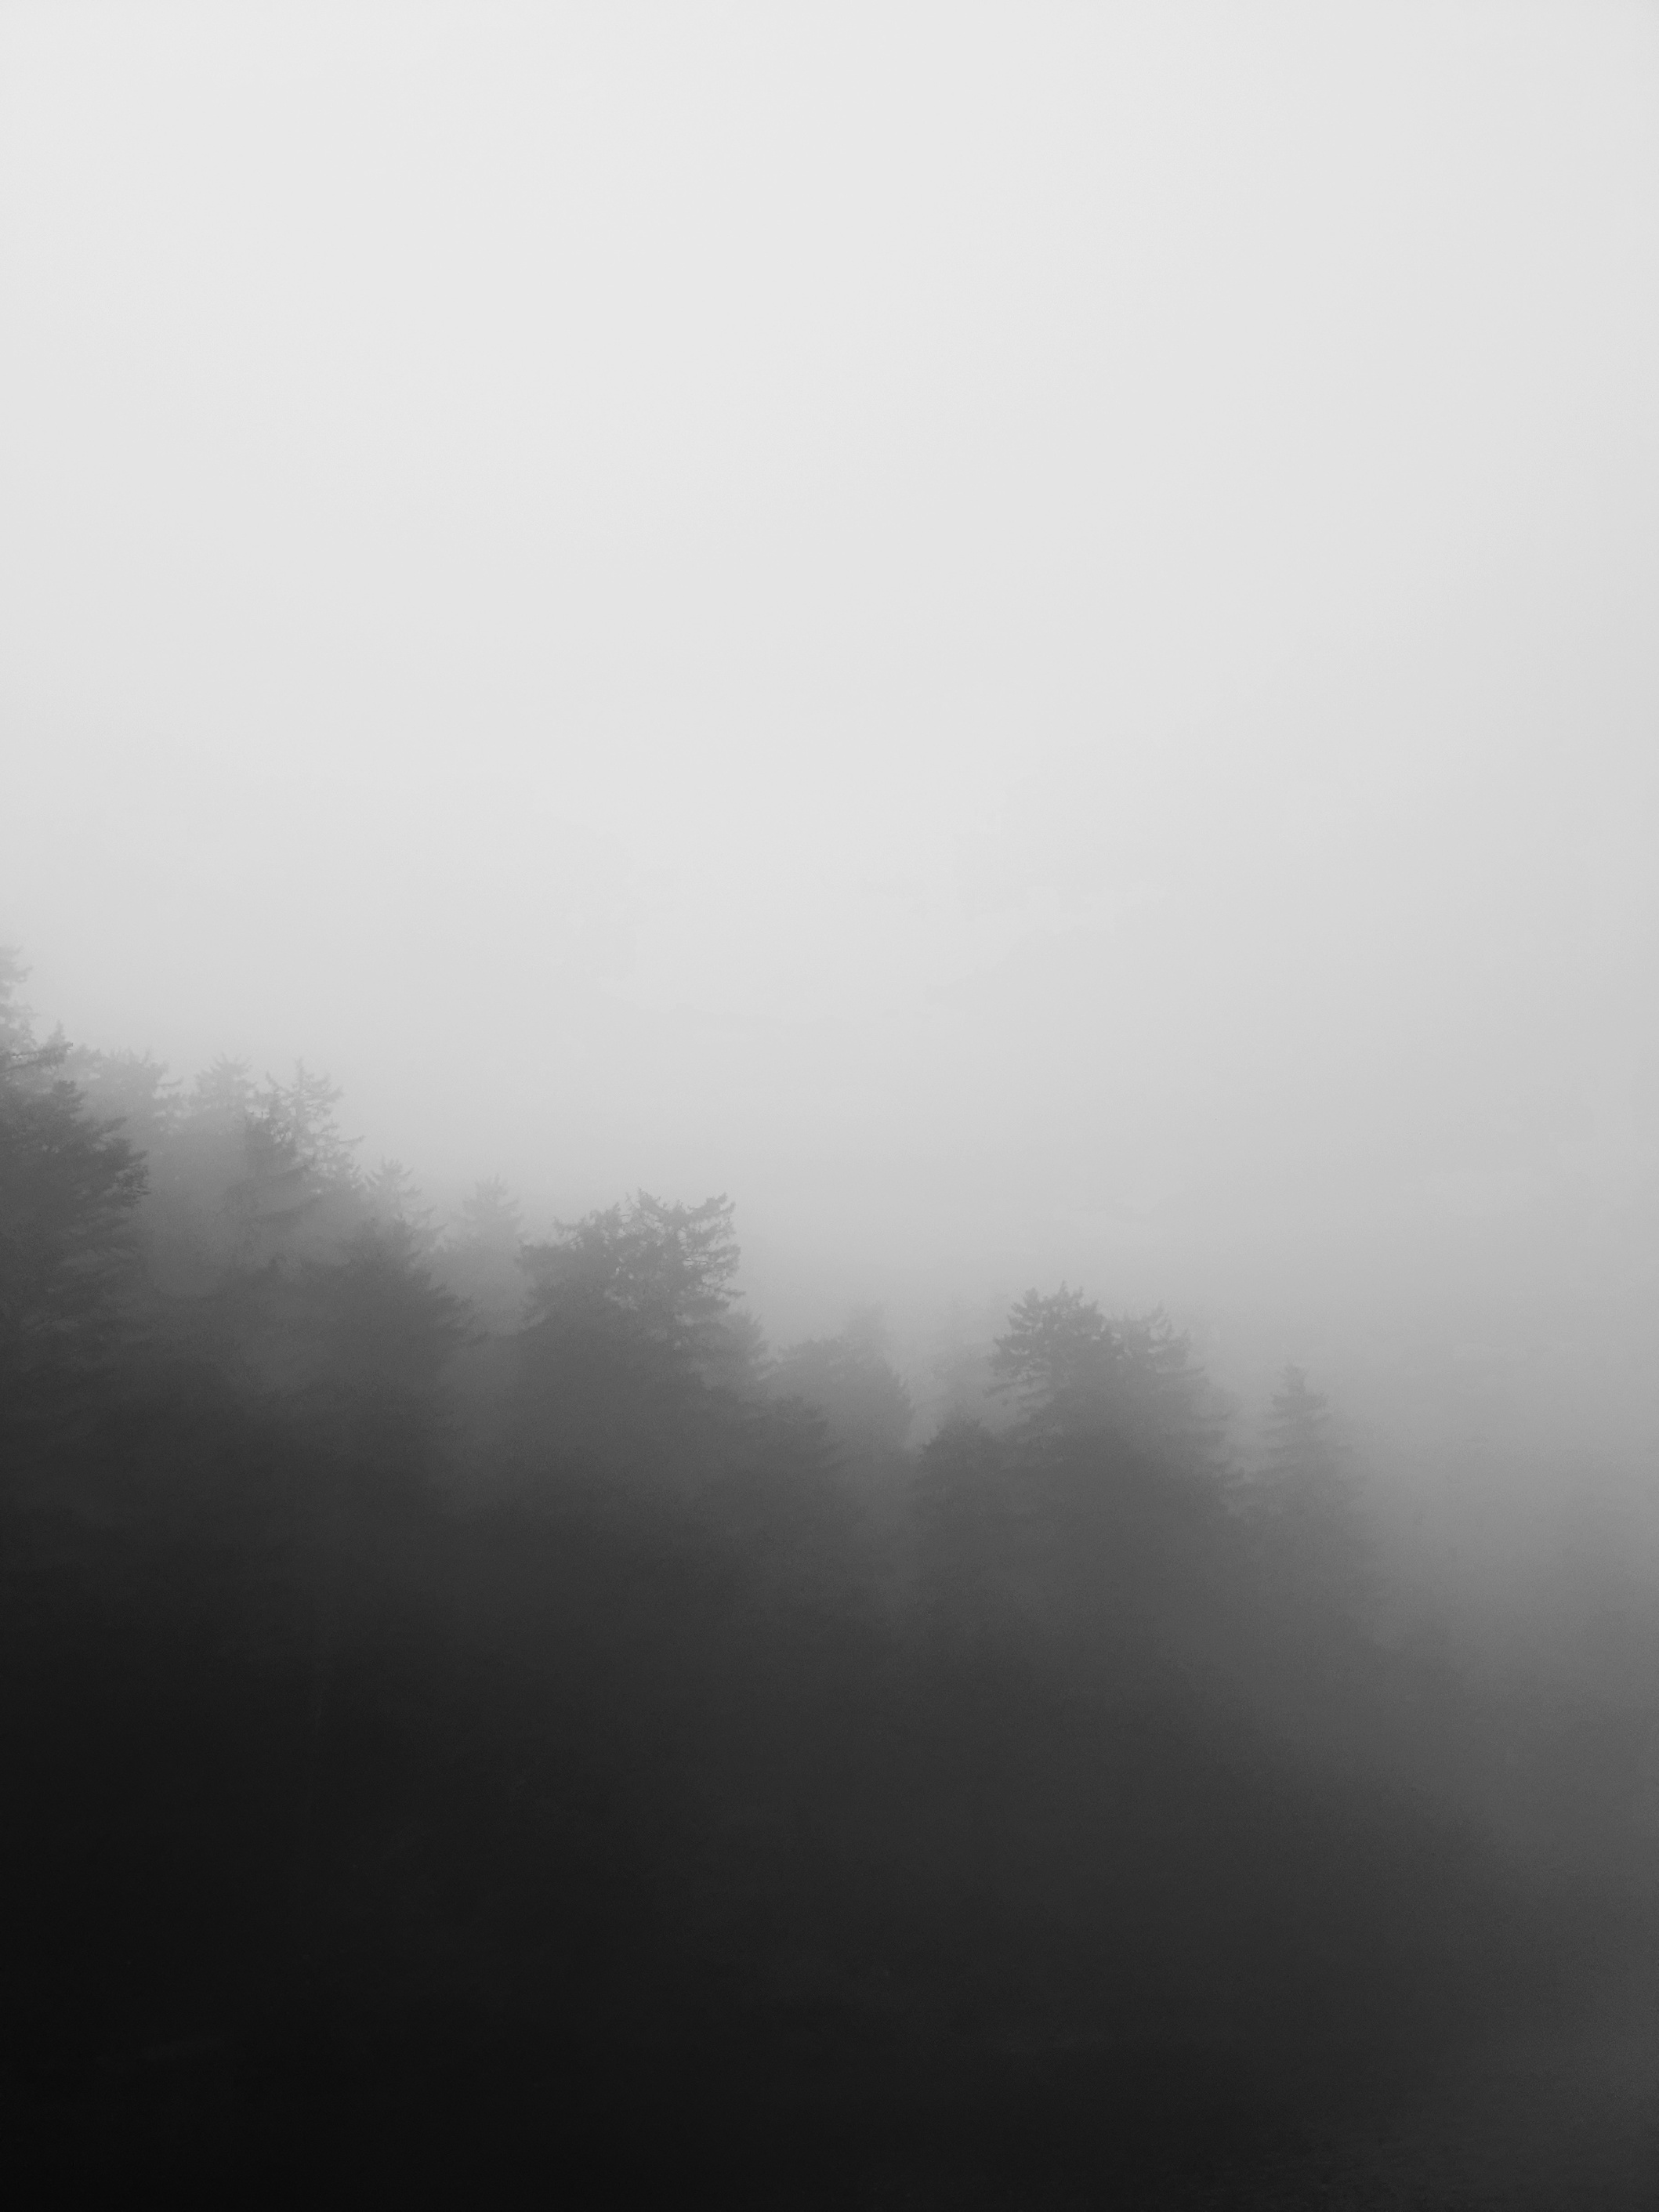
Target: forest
(470,1701)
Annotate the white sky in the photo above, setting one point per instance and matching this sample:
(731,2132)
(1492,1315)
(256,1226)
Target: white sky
(1025,636)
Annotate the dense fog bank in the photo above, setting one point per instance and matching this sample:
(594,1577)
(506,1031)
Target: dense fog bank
(827,1351)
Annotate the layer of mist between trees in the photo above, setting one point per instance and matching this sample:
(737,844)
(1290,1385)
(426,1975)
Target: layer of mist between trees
(463,1687)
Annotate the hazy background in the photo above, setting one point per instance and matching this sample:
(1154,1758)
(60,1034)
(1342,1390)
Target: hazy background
(1023,636)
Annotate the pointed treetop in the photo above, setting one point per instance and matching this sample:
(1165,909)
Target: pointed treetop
(491,1218)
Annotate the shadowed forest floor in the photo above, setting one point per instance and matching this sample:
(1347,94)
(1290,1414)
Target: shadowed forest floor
(1535,2127)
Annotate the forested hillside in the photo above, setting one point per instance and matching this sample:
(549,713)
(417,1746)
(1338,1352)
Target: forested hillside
(467,1696)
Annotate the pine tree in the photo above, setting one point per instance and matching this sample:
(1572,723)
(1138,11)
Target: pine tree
(491,1219)
(1306,1511)
(393,1200)
(16,1020)
(223,1095)
(70,1184)
(479,1258)
(299,1174)
(300,1115)
(626,1356)
(850,1379)
(1116,1536)
(662,1273)
(1072,1372)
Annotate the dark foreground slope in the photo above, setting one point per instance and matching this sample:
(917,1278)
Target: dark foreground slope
(625,1844)
(556,1760)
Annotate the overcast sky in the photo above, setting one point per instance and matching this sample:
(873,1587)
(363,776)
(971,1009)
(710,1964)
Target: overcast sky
(1027,636)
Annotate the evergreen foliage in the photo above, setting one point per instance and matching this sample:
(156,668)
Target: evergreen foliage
(70,1185)
(662,1273)
(439,1712)
(850,1379)
(1306,1507)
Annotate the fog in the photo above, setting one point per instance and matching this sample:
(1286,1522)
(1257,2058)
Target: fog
(1021,638)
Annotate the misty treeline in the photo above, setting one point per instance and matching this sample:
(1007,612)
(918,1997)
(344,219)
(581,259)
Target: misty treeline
(446,1670)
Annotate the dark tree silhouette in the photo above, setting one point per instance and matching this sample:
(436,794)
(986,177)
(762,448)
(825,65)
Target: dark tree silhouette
(665,1272)
(479,1256)
(70,1186)
(1072,1372)
(585,1728)
(850,1379)
(393,1199)
(1306,1512)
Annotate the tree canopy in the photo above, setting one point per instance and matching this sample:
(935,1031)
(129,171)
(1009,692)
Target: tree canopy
(69,1187)
(437,1663)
